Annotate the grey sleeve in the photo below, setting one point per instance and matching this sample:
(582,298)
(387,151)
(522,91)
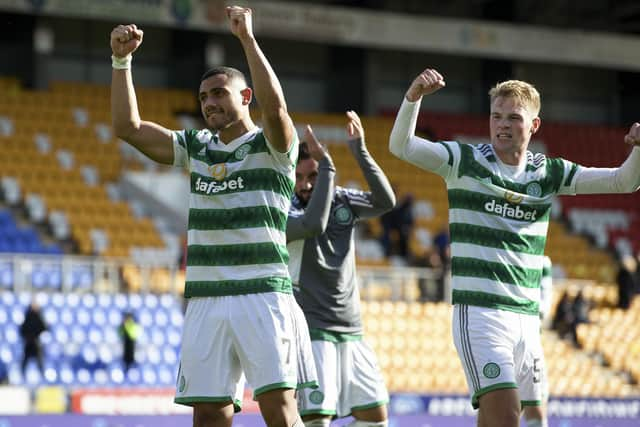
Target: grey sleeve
(316,216)
(380,195)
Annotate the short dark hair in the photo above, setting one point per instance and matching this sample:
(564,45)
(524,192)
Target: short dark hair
(232,73)
(303,151)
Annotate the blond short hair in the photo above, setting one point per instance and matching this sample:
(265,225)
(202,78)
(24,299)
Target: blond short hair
(524,93)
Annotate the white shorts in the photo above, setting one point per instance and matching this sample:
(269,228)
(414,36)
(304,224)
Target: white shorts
(349,377)
(499,349)
(261,335)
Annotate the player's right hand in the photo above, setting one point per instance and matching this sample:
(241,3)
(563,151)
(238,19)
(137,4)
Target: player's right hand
(316,150)
(633,137)
(125,39)
(428,82)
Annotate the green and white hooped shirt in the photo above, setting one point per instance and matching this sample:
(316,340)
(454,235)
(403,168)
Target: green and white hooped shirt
(498,222)
(240,194)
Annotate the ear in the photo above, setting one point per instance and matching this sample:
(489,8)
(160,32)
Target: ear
(247,95)
(535,125)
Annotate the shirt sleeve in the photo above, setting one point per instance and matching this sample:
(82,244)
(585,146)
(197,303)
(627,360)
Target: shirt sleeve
(623,179)
(181,148)
(406,145)
(288,159)
(312,221)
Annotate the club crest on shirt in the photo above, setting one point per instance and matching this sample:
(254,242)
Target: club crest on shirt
(242,151)
(342,215)
(534,189)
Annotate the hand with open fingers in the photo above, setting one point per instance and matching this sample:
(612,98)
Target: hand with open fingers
(354,126)
(633,137)
(125,39)
(428,82)
(316,149)
(240,21)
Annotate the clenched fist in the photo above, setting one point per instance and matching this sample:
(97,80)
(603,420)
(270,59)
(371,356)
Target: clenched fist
(633,137)
(426,83)
(240,22)
(125,39)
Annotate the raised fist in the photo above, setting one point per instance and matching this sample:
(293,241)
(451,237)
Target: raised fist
(240,21)
(125,39)
(633,137)
(426,83)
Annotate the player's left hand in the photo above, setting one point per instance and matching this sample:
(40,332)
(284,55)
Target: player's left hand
(633,137)
(240,21)
(354,126)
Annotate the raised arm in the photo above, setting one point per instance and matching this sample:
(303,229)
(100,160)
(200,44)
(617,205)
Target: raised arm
(381,197)
(277,124)
(402,142)
(316,216)
(150,138)
(623,179)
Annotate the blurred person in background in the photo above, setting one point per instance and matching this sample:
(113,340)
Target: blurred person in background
(241,316)
(397,225)
(627,280)
(30,331)
(129,331)
(320,236)
(536,416)
(499,207)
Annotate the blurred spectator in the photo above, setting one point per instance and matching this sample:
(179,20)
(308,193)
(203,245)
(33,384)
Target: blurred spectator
(30,331)
(580,311)
(563,317)
(627,281)
(129,331)
(441,240)
(397,225)
(431,259)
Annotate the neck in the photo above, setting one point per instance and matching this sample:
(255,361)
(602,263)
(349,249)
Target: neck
(236,130)
(513,158)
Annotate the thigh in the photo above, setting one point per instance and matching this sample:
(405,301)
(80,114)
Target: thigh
(363,389)
(324,399)
(265,340)
(485,340)
(209,369)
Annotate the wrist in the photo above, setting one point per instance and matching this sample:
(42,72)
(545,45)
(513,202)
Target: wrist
(121,62)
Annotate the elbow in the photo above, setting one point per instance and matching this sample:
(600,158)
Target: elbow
(124,129)
(395,148)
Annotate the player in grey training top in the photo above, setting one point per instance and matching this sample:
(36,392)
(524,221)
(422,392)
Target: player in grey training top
(323,269)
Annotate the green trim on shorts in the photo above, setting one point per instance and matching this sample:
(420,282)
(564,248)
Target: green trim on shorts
(524,403)
(331,336)
(370,405)
(274,386)
(310,384)
(318,412)
(190,401)
(485,390)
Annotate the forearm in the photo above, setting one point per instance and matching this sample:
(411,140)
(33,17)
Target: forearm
(404,127)
(415,150)
(266,86)
(316,215)
(382,196)
(624,179)
(124,106)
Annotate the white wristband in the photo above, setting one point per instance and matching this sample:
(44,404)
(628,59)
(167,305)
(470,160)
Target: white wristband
(119,63)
